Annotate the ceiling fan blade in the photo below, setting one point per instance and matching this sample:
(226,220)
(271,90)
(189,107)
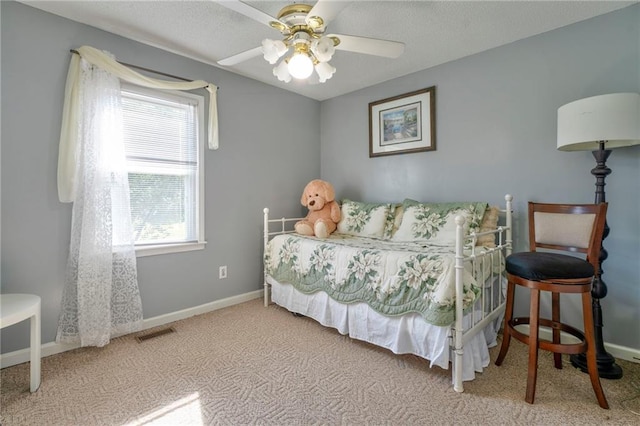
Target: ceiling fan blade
(326,10)
(248,11)
(241,57)
(369,46)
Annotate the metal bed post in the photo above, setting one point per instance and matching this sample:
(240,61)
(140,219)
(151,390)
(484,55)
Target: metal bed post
(265,229)
(459,338)
(459,266)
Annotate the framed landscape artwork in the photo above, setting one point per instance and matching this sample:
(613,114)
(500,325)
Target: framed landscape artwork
(404,123)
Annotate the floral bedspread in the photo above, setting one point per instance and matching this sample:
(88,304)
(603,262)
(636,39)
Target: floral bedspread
(392,277)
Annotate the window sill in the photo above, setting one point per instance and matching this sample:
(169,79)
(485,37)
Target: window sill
(169,248)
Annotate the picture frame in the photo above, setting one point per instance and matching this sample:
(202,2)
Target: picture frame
(403,124)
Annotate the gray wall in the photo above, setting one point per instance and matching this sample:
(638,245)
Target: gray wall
(496,134)
(498,106)
(251,170)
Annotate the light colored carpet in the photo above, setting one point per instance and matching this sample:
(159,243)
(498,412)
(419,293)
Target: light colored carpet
(253,365)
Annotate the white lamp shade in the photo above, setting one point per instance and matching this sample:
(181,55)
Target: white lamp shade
(613,118)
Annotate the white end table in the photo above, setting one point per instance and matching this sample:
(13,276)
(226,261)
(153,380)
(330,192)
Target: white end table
(19,307)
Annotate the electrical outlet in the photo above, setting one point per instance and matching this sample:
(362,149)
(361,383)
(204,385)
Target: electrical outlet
(222,272)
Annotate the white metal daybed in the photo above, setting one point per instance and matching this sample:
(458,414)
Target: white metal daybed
(442,302)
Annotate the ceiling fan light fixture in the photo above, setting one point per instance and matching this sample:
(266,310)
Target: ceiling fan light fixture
(300,65)
(282,71)
(305,46)
(273,50)
(325,71)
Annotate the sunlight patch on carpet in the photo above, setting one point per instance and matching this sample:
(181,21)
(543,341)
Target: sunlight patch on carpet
(185,411)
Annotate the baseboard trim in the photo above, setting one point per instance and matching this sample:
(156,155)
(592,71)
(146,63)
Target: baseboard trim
(52,348)
(623,352)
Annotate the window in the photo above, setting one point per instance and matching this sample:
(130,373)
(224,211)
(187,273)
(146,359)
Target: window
(163,135)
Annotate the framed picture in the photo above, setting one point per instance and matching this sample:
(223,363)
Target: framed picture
(404,123)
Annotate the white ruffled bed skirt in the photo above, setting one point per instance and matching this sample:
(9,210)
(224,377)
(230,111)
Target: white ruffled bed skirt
(407,334)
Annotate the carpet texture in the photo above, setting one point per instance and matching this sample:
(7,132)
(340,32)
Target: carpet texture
(247,364)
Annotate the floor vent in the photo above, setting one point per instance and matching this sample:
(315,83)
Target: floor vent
(157,333)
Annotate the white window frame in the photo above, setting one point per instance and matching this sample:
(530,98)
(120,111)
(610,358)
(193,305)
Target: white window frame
(157,249)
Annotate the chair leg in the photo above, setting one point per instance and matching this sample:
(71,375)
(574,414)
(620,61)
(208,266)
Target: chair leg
(532,370)
(555,317)
(592,365)
(508,316)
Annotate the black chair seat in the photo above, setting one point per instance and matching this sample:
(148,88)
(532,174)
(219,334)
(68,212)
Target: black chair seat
(539,266)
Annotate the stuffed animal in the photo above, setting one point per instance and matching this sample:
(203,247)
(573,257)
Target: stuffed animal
(324,213)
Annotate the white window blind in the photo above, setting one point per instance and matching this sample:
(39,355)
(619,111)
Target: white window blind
(162,135)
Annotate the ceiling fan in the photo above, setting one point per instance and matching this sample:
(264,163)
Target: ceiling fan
(303,28)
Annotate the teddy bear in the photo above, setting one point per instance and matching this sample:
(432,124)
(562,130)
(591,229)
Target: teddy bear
(324,212)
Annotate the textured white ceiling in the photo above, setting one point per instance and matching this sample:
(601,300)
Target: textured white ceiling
(434,32)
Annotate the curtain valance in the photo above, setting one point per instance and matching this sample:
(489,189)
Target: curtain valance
(68,152)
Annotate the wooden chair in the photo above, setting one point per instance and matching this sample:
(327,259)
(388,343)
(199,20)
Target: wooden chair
(574,228)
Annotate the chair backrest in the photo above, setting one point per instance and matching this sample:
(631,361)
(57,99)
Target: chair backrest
(568,227)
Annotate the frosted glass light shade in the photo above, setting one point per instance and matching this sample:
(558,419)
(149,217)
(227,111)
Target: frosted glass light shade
(300,66)
(323,49)
(282,72)
(613,118)
(273,50)
(325,71)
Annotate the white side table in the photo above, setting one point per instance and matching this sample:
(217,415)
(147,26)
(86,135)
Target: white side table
(19,307)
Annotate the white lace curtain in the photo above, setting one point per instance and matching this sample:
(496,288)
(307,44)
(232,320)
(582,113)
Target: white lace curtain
(101,295)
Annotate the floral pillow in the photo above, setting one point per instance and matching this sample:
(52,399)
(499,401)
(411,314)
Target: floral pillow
(365,219)
(435,222)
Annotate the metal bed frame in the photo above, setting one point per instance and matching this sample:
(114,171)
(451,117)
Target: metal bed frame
(492,304)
